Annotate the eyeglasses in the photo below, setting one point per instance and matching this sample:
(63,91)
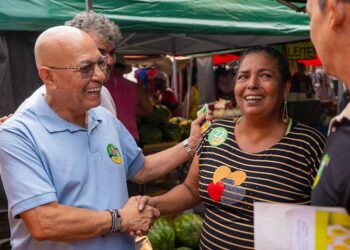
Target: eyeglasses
(87,71)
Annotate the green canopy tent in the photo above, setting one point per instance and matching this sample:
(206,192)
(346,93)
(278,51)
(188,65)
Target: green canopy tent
(170,27)
(153,27)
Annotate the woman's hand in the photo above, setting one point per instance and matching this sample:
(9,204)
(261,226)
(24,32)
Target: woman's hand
(196,132)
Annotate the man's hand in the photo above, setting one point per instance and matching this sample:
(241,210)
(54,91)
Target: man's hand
(134,220)
(196,134)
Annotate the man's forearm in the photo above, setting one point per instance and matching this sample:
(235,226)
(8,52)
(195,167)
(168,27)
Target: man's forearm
(160,164)
(65,223)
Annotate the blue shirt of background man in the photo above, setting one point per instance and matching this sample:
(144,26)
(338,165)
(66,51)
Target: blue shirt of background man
(44,158)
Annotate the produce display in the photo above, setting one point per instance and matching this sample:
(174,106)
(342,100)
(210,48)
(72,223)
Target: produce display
(149,134)
(160,115)
(170,132)
(188,227)
(161,128)
(162,235)
(183,232)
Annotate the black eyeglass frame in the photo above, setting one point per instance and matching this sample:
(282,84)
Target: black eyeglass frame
(90,68)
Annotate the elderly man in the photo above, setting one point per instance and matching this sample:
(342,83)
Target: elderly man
(330,33)
(106,35)
(65,162)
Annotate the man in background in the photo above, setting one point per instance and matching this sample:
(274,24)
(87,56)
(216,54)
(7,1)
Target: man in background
(301,83)
(131,98)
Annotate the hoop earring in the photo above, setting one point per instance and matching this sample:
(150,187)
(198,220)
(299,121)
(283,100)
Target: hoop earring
(285,117)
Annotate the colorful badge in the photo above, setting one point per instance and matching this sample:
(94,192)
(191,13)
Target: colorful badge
(226,186)
(324,163)
(217,136)
(114,153)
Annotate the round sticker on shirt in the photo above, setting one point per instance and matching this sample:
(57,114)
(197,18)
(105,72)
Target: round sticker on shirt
(114,154)
(217,136)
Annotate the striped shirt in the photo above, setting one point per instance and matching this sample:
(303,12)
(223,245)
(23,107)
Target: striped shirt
(230,180)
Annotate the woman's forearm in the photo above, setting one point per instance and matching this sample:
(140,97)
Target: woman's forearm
(178,199)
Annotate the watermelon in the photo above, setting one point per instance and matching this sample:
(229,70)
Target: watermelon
(150,134)
(162,235)
(188,227)
(171,132)
(161,114)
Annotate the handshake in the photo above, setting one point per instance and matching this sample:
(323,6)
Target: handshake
(138,215)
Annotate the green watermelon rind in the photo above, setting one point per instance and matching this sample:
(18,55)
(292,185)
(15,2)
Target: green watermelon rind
(188,229)
(162,235)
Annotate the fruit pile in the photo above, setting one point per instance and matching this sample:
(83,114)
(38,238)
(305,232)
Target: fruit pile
(181,233)
(161,128)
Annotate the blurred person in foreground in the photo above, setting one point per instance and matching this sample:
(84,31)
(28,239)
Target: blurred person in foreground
(263,156)
(330,34)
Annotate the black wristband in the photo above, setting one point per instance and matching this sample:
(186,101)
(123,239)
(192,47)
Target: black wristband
(112,225)
(118,221)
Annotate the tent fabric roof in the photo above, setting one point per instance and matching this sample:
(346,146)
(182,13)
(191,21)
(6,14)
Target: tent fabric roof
(189,44)
(175,27)
(263,17)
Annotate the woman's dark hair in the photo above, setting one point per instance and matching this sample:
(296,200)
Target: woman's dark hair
(280,59)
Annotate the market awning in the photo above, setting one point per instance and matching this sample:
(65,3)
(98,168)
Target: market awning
(179,27)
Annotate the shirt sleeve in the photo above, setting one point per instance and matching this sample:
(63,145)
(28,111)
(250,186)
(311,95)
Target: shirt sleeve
(26,183)
(132,154)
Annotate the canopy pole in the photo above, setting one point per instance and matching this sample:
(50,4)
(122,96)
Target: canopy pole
(89,5)
(174,77)
(189,85)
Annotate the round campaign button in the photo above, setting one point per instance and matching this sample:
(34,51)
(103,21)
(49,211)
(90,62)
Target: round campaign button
(114,154)
(217,136)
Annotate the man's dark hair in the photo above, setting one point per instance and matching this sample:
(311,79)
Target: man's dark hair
(280,59)
(91,21)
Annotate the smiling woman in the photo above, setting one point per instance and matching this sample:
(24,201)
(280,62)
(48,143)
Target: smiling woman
(260,157)
(262,85)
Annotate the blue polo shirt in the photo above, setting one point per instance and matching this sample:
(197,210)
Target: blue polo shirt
(44,158)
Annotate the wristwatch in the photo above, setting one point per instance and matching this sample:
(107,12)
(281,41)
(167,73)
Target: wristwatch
(188,148)
(118,221)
